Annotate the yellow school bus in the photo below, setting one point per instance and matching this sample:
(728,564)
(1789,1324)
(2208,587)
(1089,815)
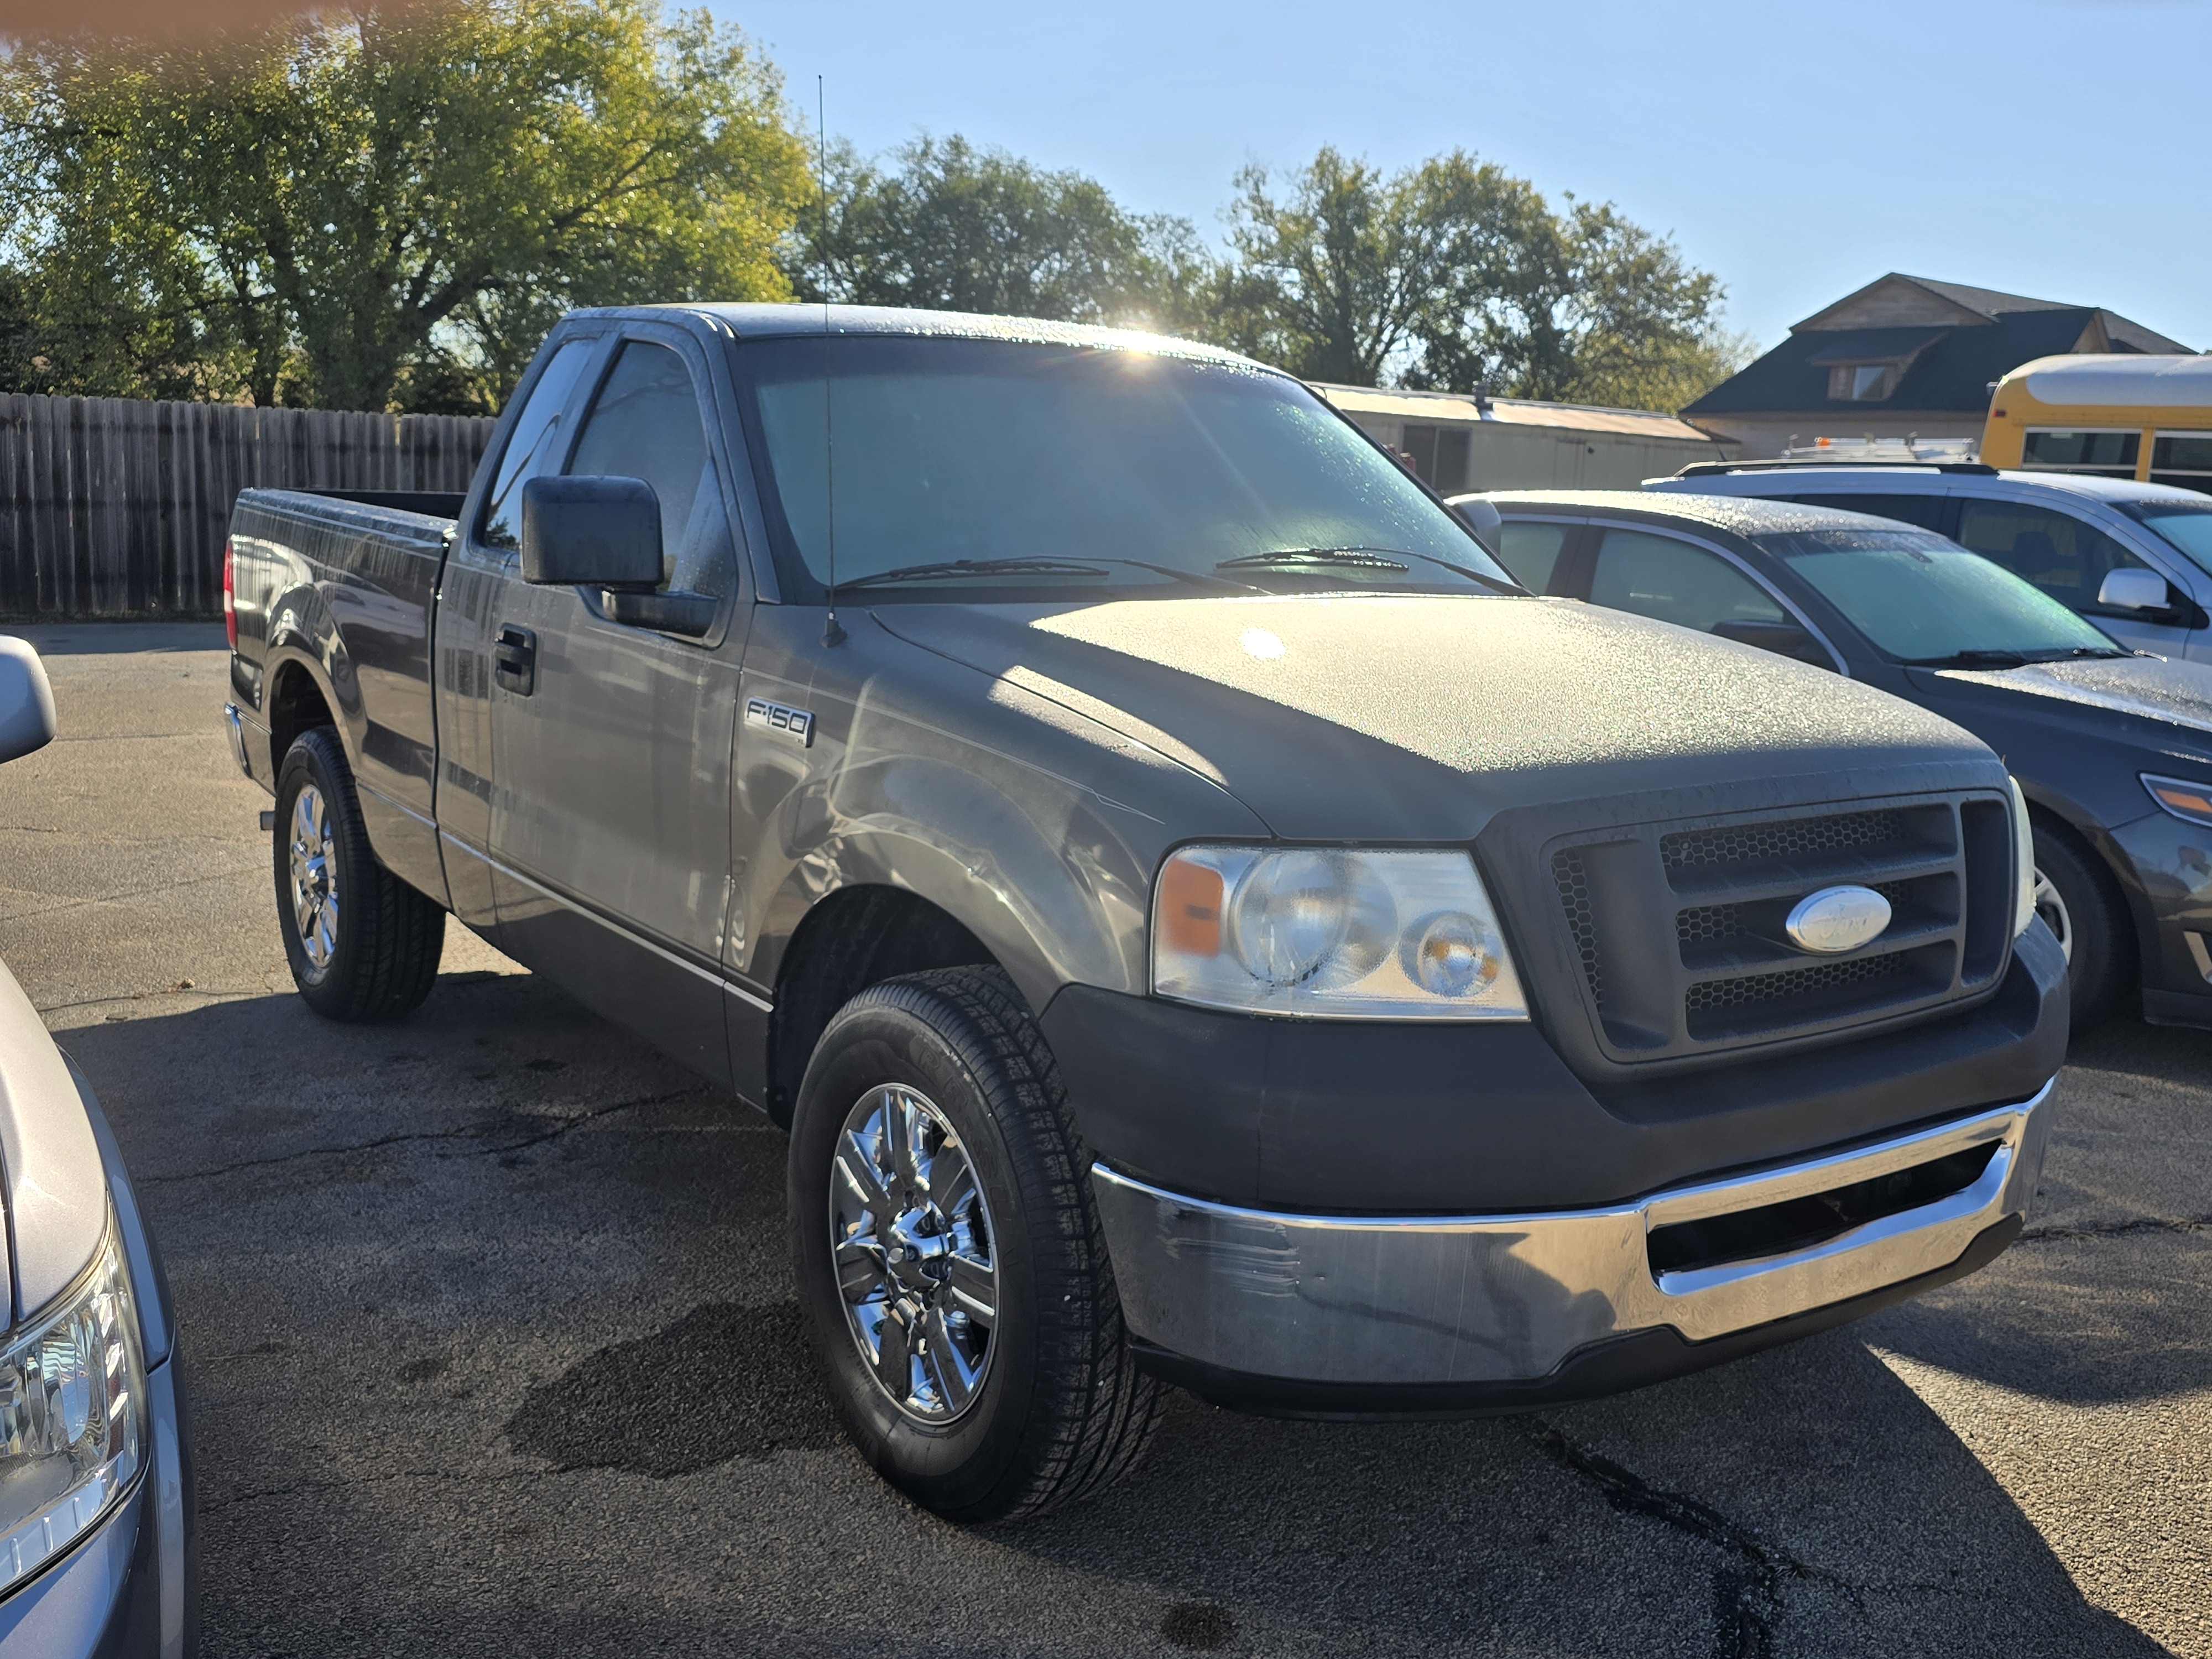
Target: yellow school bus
(2117,416)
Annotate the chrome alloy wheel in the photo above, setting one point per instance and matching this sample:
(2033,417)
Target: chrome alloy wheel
(911,1238)
(2051,906)
(314,877)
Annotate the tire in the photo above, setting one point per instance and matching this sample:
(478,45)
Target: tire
(363,945)
(996,1419)
(2078,901)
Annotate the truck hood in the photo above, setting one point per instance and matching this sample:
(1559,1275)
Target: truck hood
(2174,695)
(1420,717)
(55,1183)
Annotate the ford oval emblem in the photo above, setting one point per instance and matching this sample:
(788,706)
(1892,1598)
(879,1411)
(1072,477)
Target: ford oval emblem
(1837,919)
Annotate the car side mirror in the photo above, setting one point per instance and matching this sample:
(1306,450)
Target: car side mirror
(1784,639)
(591,533)
(2129,589)
(26,701)
(1482,518)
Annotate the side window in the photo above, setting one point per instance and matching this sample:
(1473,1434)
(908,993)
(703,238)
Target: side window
(1926,511)
(2064,556)
(1658,576)
(645,423)
(534,445)
(1531,552)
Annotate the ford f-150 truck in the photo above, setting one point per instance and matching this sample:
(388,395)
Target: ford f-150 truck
(1198,920)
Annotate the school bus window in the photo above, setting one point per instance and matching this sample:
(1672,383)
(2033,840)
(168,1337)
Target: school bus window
(2106,455)
(2183,459)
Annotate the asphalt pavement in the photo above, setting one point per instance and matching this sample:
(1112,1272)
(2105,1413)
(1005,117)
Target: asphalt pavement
(491,1346)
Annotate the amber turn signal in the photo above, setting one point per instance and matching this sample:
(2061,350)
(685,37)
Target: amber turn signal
(1190,908)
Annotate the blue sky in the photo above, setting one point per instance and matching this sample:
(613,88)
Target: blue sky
(2055,148)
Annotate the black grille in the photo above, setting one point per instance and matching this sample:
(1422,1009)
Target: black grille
(1792,838)
(1719,924)
(1730,974)
(1713,995)
(1574,893)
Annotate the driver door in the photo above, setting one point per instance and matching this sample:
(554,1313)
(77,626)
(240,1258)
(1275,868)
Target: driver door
(610,809)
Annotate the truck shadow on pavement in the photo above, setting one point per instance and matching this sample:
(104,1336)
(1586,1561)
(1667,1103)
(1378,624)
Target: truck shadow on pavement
(467,1295)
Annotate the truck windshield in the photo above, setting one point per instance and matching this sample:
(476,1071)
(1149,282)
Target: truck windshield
(962,467)
(2182,525)
(1923,599)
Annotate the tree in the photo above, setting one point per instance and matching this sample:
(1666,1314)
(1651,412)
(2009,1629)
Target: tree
(952,227)
(1455,272)
(357,209)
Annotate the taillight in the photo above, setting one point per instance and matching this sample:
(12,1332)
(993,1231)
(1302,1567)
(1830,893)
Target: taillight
(229,594)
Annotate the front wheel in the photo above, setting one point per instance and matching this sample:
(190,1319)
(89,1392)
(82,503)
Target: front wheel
(2078,902)
(362,944)
(948,1256)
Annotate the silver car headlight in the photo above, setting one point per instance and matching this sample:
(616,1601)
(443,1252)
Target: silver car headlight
(1331,934)
(2023,859)
(72,1417)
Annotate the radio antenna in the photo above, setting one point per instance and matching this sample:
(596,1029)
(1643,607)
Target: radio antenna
(832,632)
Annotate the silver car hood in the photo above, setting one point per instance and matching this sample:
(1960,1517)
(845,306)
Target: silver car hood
(55,1187)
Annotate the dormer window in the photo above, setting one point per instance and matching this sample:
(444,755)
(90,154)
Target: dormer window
(1861,383)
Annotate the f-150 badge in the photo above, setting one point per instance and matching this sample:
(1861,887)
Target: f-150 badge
(797,724)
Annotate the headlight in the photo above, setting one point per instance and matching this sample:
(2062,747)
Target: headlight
(2023,861)
(2190,801)
(1329,934)
(72,1418)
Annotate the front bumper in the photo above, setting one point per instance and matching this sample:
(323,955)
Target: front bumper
(1351,1314)
(2171,862)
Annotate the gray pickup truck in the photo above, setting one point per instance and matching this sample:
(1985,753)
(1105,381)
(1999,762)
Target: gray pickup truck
(1200,920)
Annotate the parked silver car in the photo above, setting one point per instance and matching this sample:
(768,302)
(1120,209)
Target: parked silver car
(96,1483)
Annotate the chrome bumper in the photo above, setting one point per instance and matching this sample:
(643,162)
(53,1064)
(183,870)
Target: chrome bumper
(1448,1299)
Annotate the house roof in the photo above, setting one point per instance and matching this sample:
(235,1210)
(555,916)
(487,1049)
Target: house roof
(1950,341)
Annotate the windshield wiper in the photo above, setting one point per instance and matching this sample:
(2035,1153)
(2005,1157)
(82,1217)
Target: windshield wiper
(1359,558)
(1972,660)
(957,569)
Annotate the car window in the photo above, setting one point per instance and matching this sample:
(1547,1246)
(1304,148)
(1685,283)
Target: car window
(2182,525)
(1925,599)
(2061,555)
(534,445)
(1926,511)
(1661,577)
(1531,552)
(645,423)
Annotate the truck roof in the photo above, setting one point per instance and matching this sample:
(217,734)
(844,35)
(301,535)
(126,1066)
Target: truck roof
(763,321)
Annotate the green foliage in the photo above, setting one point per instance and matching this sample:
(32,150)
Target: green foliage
(364,209)
(1455,271)
(949,226)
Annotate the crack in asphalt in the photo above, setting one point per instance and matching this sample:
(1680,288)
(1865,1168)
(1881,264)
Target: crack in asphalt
(1748,1585)
(2142,1223)
(470,1131)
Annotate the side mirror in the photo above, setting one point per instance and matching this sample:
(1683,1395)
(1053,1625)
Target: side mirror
(1784,639)
(1482,518)
(2130,589)
(26,701)
(591,532)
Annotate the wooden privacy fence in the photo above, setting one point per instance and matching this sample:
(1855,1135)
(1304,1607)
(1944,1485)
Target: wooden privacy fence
(114,508)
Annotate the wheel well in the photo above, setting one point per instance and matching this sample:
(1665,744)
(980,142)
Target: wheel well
(295,705)
(855,937)
(2100,871)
